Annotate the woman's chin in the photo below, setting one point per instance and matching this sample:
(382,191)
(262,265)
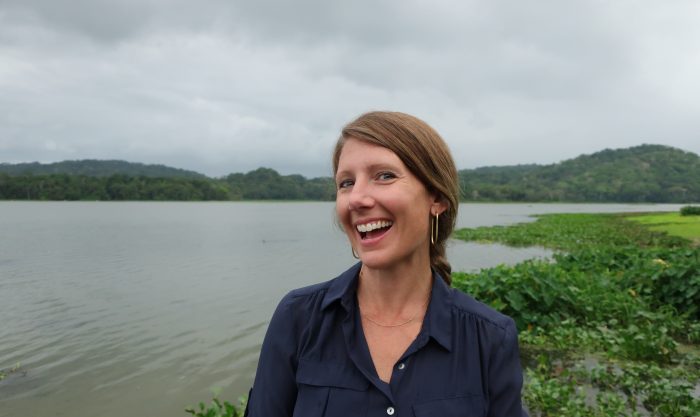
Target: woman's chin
(374,260)
(379,260)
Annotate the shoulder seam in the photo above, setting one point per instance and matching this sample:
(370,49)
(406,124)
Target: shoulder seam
(307,294)
(308,291)
(482,318)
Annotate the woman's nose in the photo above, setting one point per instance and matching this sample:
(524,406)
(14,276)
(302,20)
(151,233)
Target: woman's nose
(360,197)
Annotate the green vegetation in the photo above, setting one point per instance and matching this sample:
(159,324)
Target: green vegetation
(219,409)
(115,187)
(610,327)
(690,211)
(261,184)
(267,184)
(98,168)
(646,173)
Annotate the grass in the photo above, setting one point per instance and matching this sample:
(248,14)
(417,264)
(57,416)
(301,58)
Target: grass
(674,224)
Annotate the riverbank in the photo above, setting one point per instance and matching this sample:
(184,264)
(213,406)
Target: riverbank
(610,327)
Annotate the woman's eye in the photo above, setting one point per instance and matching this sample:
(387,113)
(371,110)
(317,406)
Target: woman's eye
(344,184)
(385,176)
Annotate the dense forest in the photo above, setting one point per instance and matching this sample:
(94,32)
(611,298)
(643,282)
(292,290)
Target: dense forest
(646,173)
(114,187)
(268,184)
(98,168)
(261,184)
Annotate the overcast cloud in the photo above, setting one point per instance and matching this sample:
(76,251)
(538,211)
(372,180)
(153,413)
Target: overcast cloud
(221,86)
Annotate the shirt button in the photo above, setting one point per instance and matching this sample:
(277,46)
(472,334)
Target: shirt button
(402,365)
(390,411)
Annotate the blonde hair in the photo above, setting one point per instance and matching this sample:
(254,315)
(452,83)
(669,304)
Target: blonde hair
(425,154)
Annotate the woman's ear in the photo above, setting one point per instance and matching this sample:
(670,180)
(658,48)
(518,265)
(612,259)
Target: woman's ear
(439,205)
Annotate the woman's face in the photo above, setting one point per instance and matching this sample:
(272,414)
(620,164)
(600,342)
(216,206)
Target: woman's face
(384,209)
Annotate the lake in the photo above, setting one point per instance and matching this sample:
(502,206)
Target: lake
(144,308)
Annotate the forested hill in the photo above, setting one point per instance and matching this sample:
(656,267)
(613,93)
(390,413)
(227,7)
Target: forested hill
(153,182)
(646,173)
(98,168)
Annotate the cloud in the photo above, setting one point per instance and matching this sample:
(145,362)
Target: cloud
(224,86)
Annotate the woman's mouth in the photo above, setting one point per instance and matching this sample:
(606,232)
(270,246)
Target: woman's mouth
(373,230)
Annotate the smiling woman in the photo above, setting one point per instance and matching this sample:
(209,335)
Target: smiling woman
(389,336)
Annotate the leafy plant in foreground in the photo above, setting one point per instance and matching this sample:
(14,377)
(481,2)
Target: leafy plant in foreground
(219,409)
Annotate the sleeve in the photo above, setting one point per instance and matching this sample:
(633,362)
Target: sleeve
(274,390)
(506,377)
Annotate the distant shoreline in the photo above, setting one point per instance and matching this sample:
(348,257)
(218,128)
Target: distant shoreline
(645,174)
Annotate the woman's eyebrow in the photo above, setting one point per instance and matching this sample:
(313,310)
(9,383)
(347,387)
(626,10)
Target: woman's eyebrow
(343,173)
(370,167)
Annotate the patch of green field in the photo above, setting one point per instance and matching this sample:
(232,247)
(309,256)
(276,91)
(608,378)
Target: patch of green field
(674,224)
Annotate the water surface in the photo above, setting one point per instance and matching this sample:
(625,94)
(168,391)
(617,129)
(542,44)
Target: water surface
(143,308)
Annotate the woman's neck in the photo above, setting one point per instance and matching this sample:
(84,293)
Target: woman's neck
(396,292)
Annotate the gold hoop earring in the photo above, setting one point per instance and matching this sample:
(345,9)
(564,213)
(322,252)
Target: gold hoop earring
(434,228)
(354,254)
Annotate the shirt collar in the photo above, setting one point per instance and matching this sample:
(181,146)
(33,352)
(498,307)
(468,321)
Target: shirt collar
(343,288)
(438,321)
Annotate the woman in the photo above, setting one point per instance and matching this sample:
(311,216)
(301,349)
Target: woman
(389,336)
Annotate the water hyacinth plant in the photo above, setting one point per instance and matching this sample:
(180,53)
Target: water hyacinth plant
(610,326)
(218,408)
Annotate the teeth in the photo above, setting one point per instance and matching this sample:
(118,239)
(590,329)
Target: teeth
(368,227)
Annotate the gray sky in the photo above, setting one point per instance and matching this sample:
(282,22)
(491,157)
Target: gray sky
(221,86)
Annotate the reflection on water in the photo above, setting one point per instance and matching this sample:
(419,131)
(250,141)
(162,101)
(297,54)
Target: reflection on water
(117,309)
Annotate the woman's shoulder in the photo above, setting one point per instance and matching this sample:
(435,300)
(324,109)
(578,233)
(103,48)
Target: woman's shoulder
(309,296)
(322,294)
(310,290)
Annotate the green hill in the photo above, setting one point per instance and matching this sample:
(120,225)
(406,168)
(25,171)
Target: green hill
(98,168)
(646,173)
(268,184)
(120,180)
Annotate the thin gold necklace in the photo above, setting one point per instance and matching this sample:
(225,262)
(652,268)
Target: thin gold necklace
(399,324)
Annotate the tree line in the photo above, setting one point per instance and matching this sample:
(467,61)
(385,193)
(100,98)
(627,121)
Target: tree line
(261,184)
(113,188)
(643,174)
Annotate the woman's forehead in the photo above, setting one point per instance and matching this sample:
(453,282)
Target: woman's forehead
(357,152)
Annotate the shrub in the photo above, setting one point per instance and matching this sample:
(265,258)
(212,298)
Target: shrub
(690,211)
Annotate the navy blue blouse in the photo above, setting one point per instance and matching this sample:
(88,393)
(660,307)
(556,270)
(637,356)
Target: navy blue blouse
(315,360)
